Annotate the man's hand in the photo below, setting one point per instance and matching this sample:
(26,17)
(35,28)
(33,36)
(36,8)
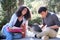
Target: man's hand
(41,26)
(44,27)
(54,27)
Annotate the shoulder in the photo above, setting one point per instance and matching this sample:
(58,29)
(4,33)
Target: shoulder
(52,14)
(14,16)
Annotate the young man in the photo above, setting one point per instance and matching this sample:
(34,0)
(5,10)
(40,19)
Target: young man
(50,21)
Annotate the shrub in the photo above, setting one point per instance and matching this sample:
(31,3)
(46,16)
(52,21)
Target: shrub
(37,20)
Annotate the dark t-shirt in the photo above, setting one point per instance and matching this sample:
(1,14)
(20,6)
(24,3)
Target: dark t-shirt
(51,20)
(18,23)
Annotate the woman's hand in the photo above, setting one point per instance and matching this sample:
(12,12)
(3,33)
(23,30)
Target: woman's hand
(22,25)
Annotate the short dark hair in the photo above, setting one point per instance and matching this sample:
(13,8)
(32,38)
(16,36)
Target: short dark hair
(42,9)
(19,12)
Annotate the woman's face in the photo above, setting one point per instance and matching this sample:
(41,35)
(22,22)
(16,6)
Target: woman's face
(24,11)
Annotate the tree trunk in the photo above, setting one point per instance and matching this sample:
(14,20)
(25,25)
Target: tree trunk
(20,2)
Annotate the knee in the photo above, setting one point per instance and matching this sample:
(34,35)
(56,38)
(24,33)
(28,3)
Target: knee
(47,29)
(9,35)
(45,38)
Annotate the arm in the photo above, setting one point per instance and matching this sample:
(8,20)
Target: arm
(12,20)
(43,25)
(26,24)
(56,21)
(55,27)
(24,28)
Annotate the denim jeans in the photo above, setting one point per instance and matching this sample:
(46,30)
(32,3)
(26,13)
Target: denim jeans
(11,36)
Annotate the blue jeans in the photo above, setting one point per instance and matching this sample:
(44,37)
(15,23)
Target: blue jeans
(11,36)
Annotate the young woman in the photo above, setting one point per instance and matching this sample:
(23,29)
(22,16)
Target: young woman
(20,18)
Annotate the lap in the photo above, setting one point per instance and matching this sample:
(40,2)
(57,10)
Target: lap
(9,34)
(51,32)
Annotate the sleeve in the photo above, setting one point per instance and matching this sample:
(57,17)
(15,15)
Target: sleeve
(56,20)
(11,20)
(26,23)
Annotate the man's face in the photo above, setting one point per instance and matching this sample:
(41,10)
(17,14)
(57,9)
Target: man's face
(43,14)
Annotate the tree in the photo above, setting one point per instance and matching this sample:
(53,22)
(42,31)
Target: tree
(20,2)
(53,5)
(9,7)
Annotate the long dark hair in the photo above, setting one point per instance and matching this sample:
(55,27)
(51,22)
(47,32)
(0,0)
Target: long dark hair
(19,12)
